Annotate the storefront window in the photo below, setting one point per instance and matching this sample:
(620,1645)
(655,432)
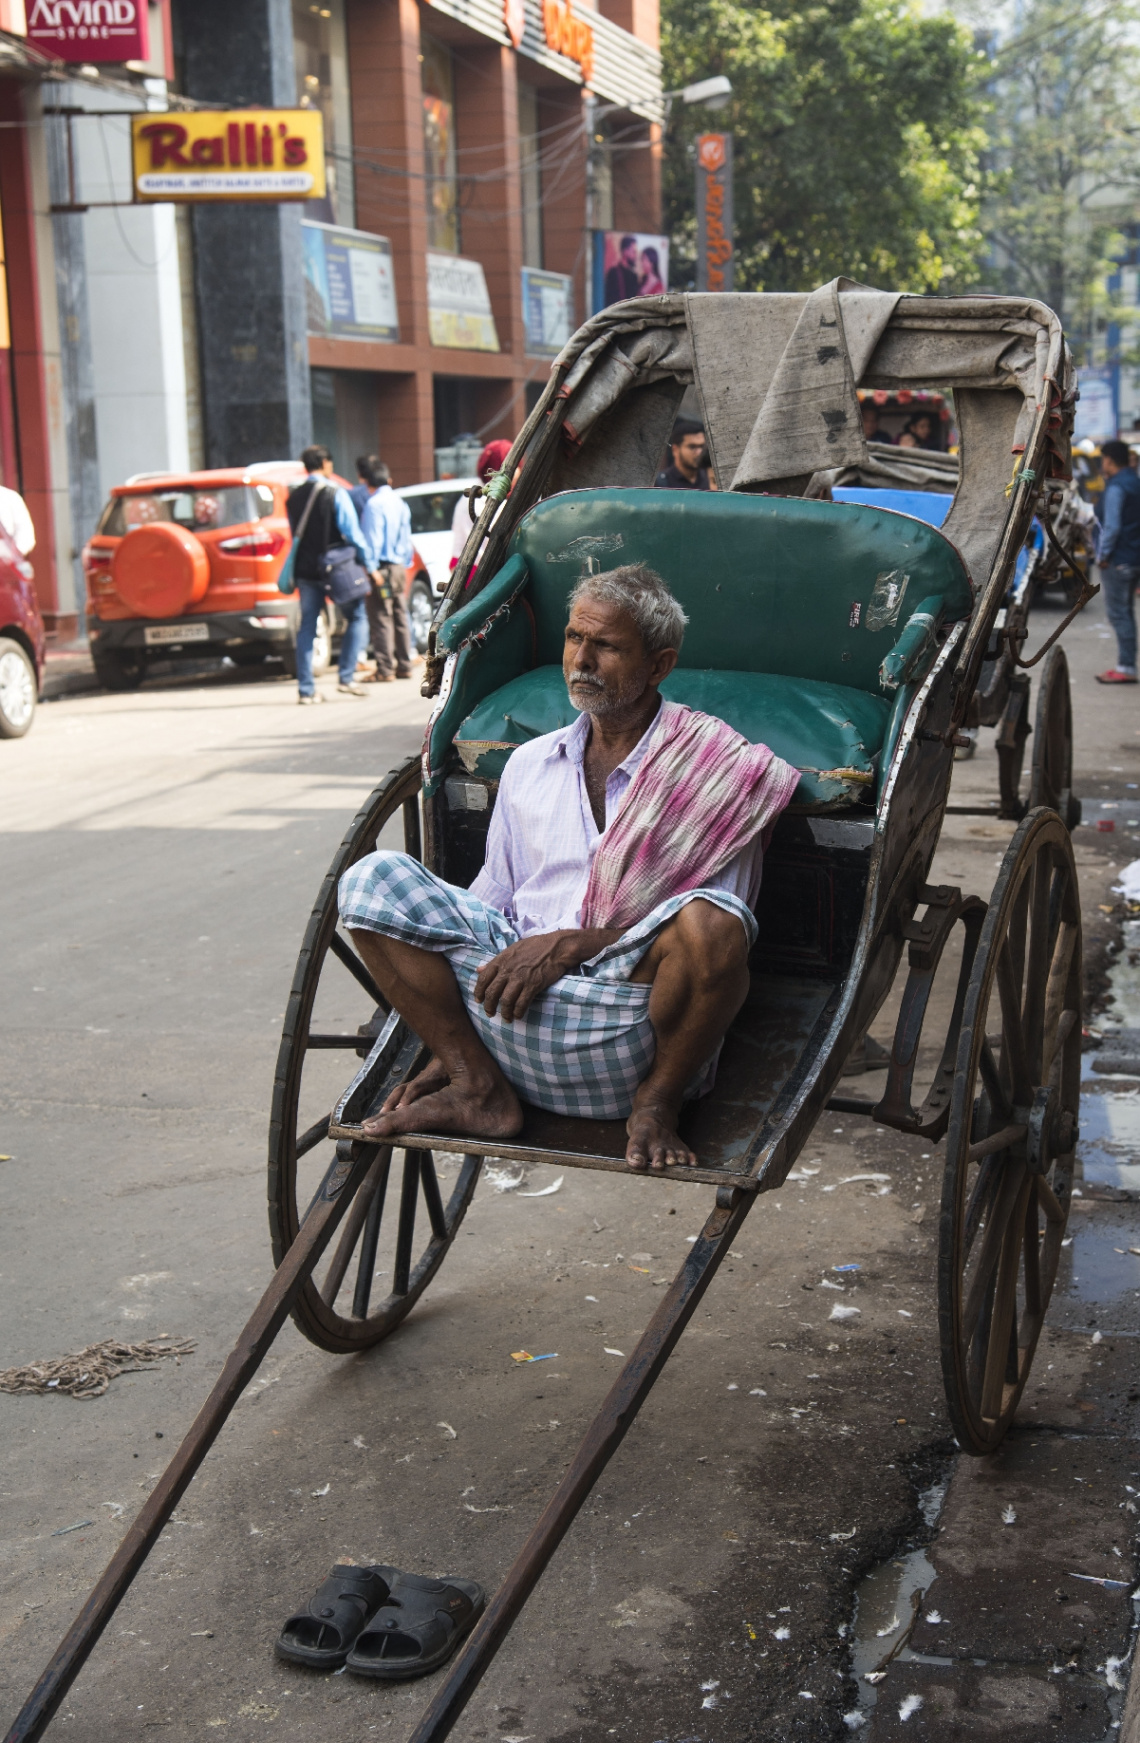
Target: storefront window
(320,49)
(442,184)
(530,175)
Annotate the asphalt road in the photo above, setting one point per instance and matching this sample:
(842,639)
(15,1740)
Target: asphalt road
(161,853)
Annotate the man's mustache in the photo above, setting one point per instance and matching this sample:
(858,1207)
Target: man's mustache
(588,678)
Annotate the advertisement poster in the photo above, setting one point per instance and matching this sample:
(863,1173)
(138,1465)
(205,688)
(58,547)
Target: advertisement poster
(228,154)
(548,310)
(89,30)
(1095,419)
(459,307)
(715,248)
(350,289)
(629,263)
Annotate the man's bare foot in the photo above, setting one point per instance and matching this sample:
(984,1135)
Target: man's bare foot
(653,1140)
(433,1076)
(487,1109)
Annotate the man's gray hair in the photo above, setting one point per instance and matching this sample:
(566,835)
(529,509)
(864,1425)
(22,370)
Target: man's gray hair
(635,589)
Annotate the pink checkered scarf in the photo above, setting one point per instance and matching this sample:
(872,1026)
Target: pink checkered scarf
(701,795)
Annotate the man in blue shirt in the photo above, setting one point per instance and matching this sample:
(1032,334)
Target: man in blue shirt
(1118,556)
(362,490)
(387,527)
(332,522)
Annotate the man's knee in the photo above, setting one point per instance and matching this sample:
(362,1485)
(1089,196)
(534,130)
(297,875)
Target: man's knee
(714,938)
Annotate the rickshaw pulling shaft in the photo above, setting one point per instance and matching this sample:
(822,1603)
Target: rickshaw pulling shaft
(624,1400)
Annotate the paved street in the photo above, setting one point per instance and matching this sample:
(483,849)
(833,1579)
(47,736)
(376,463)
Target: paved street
(162,851)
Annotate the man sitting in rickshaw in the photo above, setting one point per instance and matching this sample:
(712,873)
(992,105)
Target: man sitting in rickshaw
(596,961)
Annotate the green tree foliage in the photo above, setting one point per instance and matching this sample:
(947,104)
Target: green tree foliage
(856,137)
(1065,129)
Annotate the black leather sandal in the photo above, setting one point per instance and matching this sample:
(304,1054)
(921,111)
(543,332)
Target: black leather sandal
(418,1628)
(323,1633)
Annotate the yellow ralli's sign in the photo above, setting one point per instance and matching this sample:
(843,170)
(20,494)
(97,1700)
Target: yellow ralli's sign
(229,154)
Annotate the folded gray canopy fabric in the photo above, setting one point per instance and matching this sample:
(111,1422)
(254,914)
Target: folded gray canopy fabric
(777,376)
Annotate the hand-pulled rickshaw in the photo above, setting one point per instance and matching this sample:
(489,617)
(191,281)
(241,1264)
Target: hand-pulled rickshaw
(859,643)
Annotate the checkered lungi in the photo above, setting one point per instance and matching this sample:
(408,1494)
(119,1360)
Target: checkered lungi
(583,1047)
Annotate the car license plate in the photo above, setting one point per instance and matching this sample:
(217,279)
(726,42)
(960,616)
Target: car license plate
(176,632)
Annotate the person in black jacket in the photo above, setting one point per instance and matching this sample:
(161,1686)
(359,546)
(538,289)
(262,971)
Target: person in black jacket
(689,469)
(332,526)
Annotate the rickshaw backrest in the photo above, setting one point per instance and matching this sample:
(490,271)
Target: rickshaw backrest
(772,584)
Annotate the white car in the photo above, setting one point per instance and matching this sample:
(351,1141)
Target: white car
(432,508)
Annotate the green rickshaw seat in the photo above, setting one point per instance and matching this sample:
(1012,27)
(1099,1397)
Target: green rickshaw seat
(793,607)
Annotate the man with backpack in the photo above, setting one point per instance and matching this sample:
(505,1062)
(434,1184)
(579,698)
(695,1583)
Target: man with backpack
(332,561)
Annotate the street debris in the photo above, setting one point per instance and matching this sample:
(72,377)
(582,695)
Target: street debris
(545,1191)
(840,1312)
(1108,1585)
(892,1625)
(847,1267)
(909,1705)
(875,1179)
(933,1617)
(78,1526)
(470,1509)
(504,1179)
(447,1426)
(1129,885)
(854,1720)
(758,1392)
(610,1352)
(318,1494)
(1008,1516)
(117,1508)
(525,1356)
(89,1372)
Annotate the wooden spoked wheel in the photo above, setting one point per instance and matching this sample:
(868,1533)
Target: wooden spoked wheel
(1051,781)
(1012,1134)
(334,1014)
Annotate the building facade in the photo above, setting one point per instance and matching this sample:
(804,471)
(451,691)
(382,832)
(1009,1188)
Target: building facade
(472,147)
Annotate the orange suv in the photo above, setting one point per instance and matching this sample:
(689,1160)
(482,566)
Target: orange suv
(184,565)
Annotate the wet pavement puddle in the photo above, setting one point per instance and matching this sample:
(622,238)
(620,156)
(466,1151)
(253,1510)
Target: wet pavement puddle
(884,1611)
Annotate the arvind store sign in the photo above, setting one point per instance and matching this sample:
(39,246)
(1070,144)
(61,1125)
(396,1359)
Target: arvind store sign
(229,154)
(90,30)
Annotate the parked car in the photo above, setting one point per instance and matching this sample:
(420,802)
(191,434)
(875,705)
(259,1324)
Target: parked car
(21,642)
(432,507)
(183,565)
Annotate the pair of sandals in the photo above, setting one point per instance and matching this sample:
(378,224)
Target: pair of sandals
(382,1623)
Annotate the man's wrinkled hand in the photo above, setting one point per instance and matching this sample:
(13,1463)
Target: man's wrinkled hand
(511,981)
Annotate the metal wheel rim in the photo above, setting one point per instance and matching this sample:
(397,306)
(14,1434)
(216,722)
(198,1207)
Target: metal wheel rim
(1052,772)
(420,1200)
(17,690)
(988,1345)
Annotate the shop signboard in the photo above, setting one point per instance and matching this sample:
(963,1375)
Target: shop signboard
(229,154)
(569,35)
(1095,419)
(715,248)
(459,307)
(350,287)
(629,263)
(548,310)
(89,30)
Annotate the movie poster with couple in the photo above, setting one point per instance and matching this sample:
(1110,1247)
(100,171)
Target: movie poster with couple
(629,263)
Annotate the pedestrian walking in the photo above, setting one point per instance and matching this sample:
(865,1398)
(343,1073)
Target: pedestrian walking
(387,528)
(332,561)
(362,490)
(1118,556)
